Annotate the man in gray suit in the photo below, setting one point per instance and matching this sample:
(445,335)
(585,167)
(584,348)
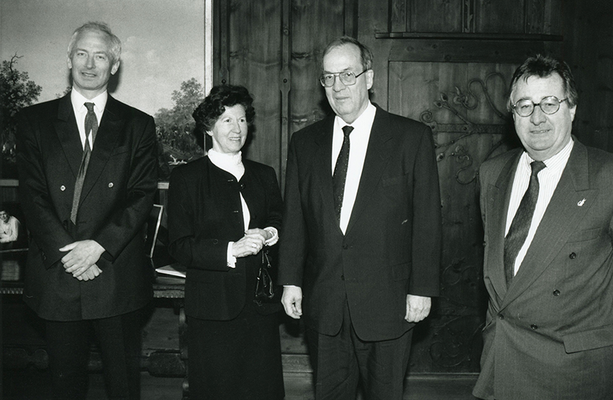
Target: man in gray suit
(548,220)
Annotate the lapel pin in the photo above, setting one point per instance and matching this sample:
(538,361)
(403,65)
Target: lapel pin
(581,203)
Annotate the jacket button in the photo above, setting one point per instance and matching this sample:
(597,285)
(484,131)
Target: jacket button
(533,327)
(62,188)
(500,316)
(111,184)
(342,277)
(556,292)
(345,247)
(572,255)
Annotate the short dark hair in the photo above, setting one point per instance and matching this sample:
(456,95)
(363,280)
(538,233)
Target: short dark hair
(102,27)
(214,105)
(544,67)
(365,53)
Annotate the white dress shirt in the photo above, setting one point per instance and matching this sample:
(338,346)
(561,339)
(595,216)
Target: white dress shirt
(548,181)
(357,153)
(80,111)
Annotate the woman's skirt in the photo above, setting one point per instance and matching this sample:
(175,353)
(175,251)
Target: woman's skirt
(238,359)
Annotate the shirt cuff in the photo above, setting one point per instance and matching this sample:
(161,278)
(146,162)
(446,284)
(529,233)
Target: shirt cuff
(275,236)
(231,260)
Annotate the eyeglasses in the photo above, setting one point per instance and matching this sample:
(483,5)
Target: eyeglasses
(549,105)
(348,78)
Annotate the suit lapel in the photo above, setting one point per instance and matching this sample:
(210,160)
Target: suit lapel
(68,134)
(379,147)
(322,166)
(499,195)
(568,206)
(109,131)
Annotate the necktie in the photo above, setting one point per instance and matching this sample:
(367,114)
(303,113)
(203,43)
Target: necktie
(91,125)
(520,226)
(340,172)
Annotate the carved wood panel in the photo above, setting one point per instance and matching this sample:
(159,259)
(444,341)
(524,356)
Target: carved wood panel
(465,105)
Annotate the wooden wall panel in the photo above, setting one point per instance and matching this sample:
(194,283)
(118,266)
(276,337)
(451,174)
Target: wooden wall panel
(499,16)
(589,51)
(252,31)
(314,24)
(435,16)
(542,16)
(373,20)
(399,21)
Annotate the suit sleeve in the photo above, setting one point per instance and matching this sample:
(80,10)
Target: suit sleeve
(274,201)
(131,213)
(480,188)
(44,223)
(292,243)
(187,245)
(427,229)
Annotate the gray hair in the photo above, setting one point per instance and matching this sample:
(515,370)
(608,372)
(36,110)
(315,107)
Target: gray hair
(365,53)
(115,48)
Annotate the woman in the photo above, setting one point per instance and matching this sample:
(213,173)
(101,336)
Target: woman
(222,212)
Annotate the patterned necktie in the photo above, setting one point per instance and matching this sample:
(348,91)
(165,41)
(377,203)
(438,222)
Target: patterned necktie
(518,232)
(340,172)
(91,125)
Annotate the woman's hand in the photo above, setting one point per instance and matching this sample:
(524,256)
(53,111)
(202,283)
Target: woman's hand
(251,243)
(265,234)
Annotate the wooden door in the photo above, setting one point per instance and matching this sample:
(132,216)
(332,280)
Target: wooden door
(448,64)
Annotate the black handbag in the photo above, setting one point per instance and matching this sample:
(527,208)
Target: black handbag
(265,291)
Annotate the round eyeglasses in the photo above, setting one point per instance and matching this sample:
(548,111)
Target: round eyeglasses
(348,78)
(549,105)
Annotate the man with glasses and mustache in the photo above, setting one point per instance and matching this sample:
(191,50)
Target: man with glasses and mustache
(360,243)
(548,220)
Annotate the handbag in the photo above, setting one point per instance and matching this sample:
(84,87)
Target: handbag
(265,291)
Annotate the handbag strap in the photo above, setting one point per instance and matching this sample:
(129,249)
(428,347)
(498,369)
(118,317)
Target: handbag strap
(265,259)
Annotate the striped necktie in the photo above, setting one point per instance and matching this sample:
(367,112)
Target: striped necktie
(518,232)
(91,125)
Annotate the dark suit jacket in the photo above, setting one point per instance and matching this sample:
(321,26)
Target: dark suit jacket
(117,197)
(204,214)
(550,334)
(392,244)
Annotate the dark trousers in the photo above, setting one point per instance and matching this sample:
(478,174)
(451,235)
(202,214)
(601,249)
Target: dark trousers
(119,340)
(342,361)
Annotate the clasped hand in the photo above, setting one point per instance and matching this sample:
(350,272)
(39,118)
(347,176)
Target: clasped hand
(251,243)
(81,259)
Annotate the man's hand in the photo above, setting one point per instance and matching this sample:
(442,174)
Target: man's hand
(418,308)
(90,273)
(81,256)
(292,301)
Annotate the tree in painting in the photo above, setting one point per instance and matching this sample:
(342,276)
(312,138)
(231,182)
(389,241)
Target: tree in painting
(16,92)
(175,126)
